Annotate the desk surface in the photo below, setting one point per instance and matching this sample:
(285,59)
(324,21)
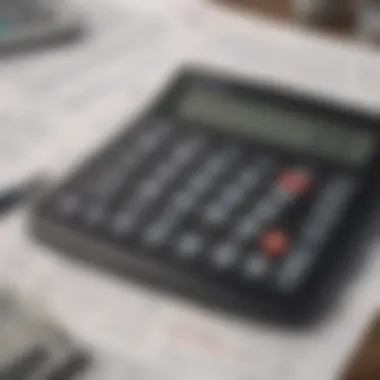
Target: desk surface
(74,98)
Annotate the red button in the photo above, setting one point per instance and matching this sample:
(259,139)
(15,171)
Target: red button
(295,181)
(275,243)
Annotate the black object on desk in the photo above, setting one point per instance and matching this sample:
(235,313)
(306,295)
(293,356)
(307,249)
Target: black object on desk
(237,194)
(28,366)
(25,367)
(26,24)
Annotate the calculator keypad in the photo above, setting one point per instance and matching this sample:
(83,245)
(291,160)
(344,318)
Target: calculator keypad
(216,206)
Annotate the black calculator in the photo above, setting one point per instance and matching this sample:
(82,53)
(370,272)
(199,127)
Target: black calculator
(236,193)
(31,23)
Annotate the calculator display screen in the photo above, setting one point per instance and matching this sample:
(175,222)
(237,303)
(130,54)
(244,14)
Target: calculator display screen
(272,124)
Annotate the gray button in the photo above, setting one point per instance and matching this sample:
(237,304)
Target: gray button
(249,180)
(224,256)
(185,151)
(200,183)
(189,245)
(95,214)
(255,267)
(156,236)
(69,204)
(183,202)
(326,213)
(249,228)
(232,195)
(215,215)
(294,269)
(123,224)
(149,190)
(165,171)
(147,143)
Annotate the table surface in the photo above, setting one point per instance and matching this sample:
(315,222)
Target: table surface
(60,104)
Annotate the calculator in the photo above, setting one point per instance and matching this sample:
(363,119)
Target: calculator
(31,23)
(237,194)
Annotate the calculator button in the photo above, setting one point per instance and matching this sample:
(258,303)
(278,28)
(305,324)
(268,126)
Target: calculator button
(154,137)
(295,181)
(189,246)
(294,269)
(274,243)
(150,190)
(157,236)
(165,171)
(147,143)
(126,219)
(324,216)
(123,224)
(255,267)
(326,210)
(200,183)
(188,149)
(216,215)
(69,204)
(94,214)
(248,228)
(225,256)
(232,195)
(183,202)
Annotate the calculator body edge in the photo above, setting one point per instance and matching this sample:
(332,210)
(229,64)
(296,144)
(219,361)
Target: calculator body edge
(339,245)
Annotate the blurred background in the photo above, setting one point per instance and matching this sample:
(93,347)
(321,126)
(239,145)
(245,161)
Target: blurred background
(73,74)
